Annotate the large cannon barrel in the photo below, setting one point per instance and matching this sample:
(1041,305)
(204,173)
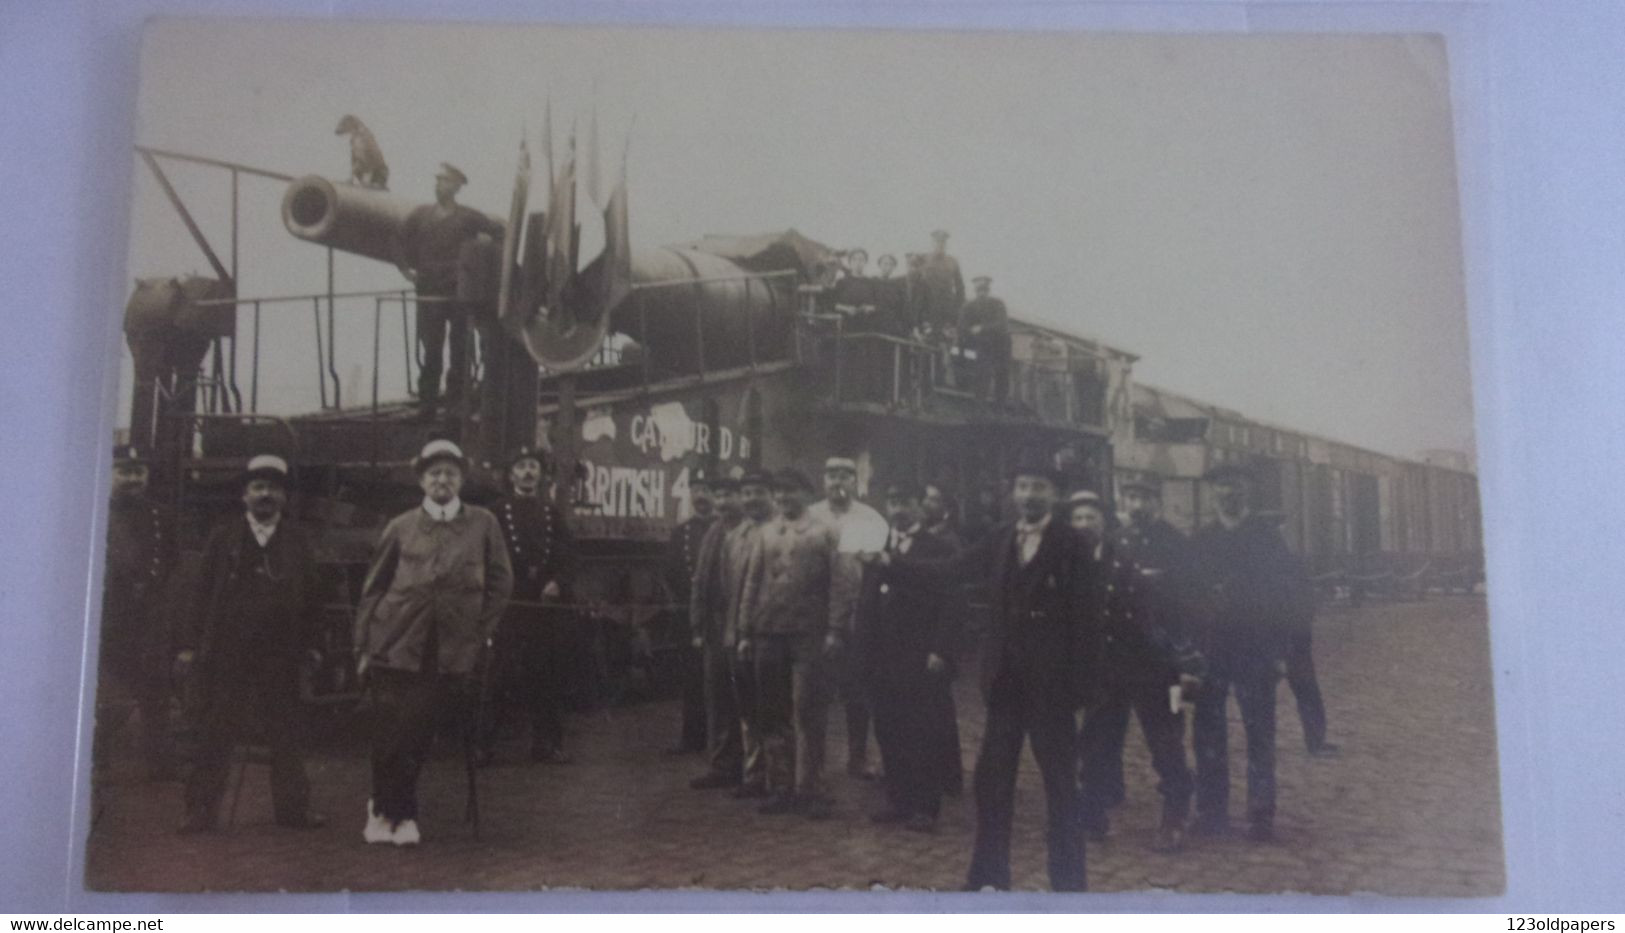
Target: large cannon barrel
(691,309)
(364,221)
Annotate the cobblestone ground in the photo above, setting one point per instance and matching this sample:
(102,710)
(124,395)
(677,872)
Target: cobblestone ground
(1411,806)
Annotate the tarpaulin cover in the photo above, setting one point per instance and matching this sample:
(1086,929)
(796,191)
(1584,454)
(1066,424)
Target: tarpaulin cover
(766,252)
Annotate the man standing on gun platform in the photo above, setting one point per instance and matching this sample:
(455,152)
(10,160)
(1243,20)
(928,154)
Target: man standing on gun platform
(798,601)
(532,643)
(1143,657)
(429,608)
(862,531)
(253,625)
(710,601)
(682,561)
(1251,587)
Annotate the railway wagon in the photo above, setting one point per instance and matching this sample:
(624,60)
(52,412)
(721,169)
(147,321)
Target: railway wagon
(1353,514)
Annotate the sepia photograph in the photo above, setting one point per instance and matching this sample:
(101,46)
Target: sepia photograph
(613,458)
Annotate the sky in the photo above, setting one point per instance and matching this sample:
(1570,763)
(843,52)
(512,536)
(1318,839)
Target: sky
(1269,222)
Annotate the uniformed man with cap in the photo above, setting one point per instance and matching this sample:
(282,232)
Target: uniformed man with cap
(944,286)
(429,608)
(710,598)
(136,645)
(796,621)
(682,561)
(1141,658)
(863,531)
(254,624)
(984,329)
(533,643)
(427,250)
(1250,588)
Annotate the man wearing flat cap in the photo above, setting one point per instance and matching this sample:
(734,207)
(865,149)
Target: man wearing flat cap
(1250,588)
(798,601)
(739,561)
(254,624)
(984,329)
(863,531)
(135,649)
(429,608)
(426,251)
(532,642)
(710,636)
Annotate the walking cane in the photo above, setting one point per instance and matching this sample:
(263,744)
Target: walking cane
(472,721)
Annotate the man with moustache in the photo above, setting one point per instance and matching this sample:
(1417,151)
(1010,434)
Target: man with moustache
(937,518)
(532,644)
(1141,664)
(136,651)
(862,531)
(682,561)
(1040,663)
(714,640)
(429,608)
(253,625)
(740,558)
(798,602)
(1250,589)
(906,630)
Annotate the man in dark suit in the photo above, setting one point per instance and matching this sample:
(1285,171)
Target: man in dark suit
(904,630)
(682,561)
(533,642)
(939,516)
(1250,587)
(1142,657)
(253,626)
(1040,657)
(984,329)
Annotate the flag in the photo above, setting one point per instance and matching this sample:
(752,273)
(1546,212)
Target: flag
(506,303)
(590,237)
(561,229)
(616,281)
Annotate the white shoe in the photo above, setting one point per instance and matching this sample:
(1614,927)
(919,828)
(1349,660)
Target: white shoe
(406,833)
(378,828)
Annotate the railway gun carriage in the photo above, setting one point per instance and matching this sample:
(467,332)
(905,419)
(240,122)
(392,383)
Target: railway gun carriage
(717,354)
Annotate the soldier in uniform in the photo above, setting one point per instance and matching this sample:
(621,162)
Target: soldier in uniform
(136,650)
(713,638)
(533,641)
(1249,587)
(1142,656)
(797,610)
(427,251)
(253,626)
(907,633)
(682,560)
(944,285)
(984,329)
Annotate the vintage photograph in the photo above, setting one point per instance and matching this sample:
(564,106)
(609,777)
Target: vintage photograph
(658,458)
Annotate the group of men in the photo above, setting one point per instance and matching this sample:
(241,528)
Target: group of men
(927,304)
(789,612)
(793,605)
(451,586)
